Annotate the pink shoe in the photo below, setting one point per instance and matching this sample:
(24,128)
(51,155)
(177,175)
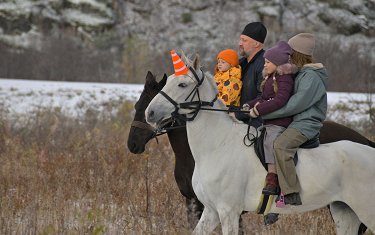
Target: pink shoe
(280,203)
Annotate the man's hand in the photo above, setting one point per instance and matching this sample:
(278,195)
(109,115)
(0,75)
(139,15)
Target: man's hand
(245,107)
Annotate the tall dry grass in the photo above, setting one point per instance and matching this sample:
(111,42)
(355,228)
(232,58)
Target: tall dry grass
(60,175)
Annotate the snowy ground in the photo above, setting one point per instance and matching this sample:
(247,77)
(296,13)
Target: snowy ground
(21,97)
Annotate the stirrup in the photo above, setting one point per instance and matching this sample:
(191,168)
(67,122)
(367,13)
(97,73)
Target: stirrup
(267,191)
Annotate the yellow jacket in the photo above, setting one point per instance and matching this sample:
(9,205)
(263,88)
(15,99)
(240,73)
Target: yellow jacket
(229,84)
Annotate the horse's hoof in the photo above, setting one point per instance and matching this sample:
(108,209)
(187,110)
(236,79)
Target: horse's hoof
(271,218)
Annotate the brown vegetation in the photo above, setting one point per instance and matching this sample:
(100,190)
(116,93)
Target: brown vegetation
(64,176)
(61,59)
(349,69)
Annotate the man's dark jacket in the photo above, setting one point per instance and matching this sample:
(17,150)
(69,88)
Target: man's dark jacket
(251,80)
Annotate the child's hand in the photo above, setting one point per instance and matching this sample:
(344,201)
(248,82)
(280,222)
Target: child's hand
(252,113)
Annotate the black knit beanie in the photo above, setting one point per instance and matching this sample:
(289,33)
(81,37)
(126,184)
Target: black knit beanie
(255,30)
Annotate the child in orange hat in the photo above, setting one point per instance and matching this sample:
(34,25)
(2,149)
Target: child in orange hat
(228,77)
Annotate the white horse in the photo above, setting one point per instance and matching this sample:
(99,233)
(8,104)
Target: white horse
(228,177)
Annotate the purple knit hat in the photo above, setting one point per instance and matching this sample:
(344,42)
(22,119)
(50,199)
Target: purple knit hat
(279,54)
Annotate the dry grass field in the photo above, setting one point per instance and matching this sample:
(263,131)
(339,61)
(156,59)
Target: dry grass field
(59,175)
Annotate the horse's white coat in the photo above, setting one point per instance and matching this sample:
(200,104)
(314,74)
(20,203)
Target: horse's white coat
(228,178)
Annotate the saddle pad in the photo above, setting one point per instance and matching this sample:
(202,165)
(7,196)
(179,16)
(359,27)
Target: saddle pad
(259,147)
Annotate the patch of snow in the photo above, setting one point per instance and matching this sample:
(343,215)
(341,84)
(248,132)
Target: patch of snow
(7,6)
(77,16)
(100,6)
(32,38)
(349,106)
(26,8)
(18,7)
(22,97)
(50,13)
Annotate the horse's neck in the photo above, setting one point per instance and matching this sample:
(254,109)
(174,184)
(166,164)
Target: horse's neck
(179,142)
(216,142)
(209,124)
(212,129)
(213,135)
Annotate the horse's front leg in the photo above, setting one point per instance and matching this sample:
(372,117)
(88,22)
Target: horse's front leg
(207,223)
(229,219)
(194,211)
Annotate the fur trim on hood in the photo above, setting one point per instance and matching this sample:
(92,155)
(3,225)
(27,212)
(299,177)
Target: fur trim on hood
(284,69)
(315,65)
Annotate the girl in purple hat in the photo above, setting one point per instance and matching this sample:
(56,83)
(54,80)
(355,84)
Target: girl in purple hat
(277,87)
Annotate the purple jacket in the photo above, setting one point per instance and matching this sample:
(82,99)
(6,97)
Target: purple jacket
(270,101)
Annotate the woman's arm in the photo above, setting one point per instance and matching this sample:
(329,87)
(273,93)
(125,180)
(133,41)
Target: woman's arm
(309,91)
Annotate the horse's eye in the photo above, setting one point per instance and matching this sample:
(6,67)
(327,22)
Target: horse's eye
(182,85)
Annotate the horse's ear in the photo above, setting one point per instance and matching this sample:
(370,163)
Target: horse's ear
(150,80)
(196,62)
(163,81)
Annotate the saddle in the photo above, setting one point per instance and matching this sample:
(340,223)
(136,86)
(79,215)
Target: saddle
(259,147)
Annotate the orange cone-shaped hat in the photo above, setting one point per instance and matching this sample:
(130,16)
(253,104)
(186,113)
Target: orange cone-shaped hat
(179,66)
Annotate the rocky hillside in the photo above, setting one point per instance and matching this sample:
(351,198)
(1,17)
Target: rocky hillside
(145,31)
(24,23)
(217,23)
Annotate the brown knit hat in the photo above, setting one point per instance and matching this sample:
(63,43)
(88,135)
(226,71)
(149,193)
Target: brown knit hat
(303,43)
(229,56)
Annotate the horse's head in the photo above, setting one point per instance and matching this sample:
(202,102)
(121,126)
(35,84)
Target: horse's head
(141,132)
(181,92)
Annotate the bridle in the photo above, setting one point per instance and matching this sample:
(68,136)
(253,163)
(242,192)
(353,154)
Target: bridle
(157,131)
(168,125)
(249,139)
(143,125)
(177,118)
(195,106)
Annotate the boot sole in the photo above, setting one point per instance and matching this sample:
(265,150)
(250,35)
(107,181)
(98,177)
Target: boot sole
(267,192)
